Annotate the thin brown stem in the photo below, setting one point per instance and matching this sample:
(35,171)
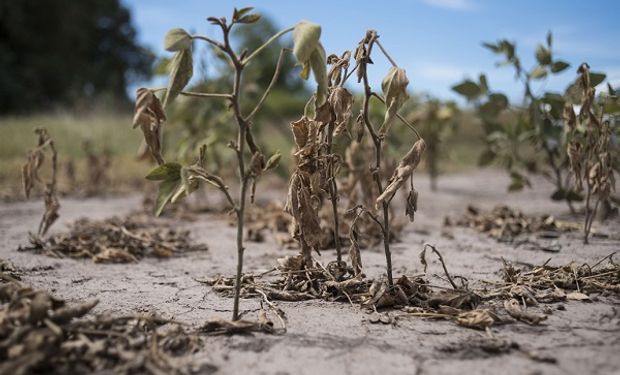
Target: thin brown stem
(333,191)
(387,55)
(376,172)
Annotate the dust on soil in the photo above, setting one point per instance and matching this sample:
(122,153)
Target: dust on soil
(326,337)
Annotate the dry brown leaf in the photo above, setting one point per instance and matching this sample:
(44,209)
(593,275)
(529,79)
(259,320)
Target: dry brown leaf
(403,171)
(149,115)
(341,102)
(514,309)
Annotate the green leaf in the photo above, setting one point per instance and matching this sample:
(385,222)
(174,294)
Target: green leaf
(250,18)
(559,66)
(543,55)
(596,78)
(181,71)
(538,73)
(177,40)
(306,37)
(499,100)
(549,39)
(238,13)
(468,89)
(167,171)
(273,161)
(165,193)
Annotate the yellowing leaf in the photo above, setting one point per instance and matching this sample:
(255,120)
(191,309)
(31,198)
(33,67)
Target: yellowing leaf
(305,40)
(394,88)
(318,63)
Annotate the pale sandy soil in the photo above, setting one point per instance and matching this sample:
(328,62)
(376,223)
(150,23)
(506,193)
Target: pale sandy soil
(337,338)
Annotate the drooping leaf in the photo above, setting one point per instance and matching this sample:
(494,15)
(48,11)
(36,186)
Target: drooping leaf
(341,102)
(318,64)
(273,161)
(306,37)
(394,88)
(484,86)
(149,115)
(177,40)
(167,189)
(167,171)
(181,71)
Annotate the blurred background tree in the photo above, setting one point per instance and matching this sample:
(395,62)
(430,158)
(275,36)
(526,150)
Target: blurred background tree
(64,53)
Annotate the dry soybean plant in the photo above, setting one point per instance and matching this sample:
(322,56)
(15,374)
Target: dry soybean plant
(588,149)
(317,164)
(30,176)
(179,180)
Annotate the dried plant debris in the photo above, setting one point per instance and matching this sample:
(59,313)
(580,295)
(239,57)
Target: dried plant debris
(118,240)
(40,333)
(505,223)
(549,283)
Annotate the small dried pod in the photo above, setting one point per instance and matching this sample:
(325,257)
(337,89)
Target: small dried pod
(341,102)
(404,169)
(412,204)
(149,115)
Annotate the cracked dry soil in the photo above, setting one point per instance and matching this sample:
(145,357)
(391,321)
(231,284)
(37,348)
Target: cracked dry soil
(333,337)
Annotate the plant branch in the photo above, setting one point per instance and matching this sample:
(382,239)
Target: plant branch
(266,44)
(387,55)
(209,40)
(274,79)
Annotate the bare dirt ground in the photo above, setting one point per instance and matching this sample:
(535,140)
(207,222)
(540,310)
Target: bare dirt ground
(325,337)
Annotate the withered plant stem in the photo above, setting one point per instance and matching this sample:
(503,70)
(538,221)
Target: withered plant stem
(333,191)
(376,171)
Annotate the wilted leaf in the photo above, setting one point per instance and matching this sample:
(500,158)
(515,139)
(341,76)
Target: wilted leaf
(306,37)
(177,40)
(341,102)
(318,63)
(238,13)
(514,309)
(181,70)
(412,204)
(273,161)
(404,169)
(166,190)
(149,115)
(394,88)
(577,296)
(479,319)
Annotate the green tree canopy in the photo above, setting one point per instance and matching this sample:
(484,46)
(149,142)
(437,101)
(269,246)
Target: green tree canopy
(62,52)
